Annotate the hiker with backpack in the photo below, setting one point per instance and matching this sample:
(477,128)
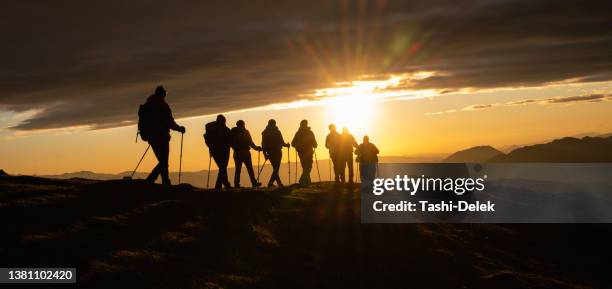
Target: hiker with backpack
(332,143)
(242,144)
(155,121)
(346,144)
(304,143)
(272,143)
(367,157)
(218,138)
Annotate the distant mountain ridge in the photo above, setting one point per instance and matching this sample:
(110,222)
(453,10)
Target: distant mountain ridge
(588,149)
(477,154)
(565,150)
(88,175)
(568,149)
(199,178)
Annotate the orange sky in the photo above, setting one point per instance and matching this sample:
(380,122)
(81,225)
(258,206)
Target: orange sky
(419,77)
(400,127)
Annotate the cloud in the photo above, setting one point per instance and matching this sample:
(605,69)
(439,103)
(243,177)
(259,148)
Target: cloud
(441,112)
(580,98)
(478,107)
(83,63)
(545,101)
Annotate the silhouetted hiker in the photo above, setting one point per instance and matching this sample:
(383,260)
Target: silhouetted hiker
(332,143)
(367,157)
(347,143)
(155,121)
(304,142)
(218,139)
(242,144)
(272,143)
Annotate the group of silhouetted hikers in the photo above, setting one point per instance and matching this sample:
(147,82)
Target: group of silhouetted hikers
(156,121)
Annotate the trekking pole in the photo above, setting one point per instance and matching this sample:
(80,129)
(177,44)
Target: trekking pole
(181,160)
(262,167)
(317,163)
(208,177)
(296,165)
(140,161)
(258,159)
(289,164)
(358,171)
(329,167)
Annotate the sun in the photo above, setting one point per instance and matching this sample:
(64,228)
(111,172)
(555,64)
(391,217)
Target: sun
(354,104)
(354,112)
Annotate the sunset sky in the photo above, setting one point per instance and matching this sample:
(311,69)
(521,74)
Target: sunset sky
(419,78)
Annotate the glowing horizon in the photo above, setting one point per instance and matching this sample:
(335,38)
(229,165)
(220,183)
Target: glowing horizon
(397,121)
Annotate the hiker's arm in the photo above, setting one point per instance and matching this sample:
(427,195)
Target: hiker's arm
(172,124)
(251,143)
(314,140)
(177,127)
(294,140)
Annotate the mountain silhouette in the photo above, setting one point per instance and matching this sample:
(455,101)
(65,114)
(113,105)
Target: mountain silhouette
(88,175)
(3,173)
(475,154)
(565,150)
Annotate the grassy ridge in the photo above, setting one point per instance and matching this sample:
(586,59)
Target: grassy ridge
(127,234)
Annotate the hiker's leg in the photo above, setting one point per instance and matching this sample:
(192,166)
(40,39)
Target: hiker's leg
(275,167)
(226,156)
(217,159)
(308,168)
(275,160)
(302,181)
(165,150)
(349,163)
(277,174)
(238,169)
(222,180)
(336,164)
(342,169)
(248,163)
(157,169)
(370,173)
(306,161)
(363,172)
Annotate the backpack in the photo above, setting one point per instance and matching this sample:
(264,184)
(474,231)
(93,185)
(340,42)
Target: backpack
(146,121)
(216,136)
(271,139)
(303,140)
(208,133)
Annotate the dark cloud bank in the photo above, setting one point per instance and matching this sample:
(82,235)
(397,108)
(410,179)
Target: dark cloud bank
(93,62)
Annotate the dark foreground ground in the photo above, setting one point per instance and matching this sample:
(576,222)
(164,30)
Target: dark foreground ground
(126,234)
